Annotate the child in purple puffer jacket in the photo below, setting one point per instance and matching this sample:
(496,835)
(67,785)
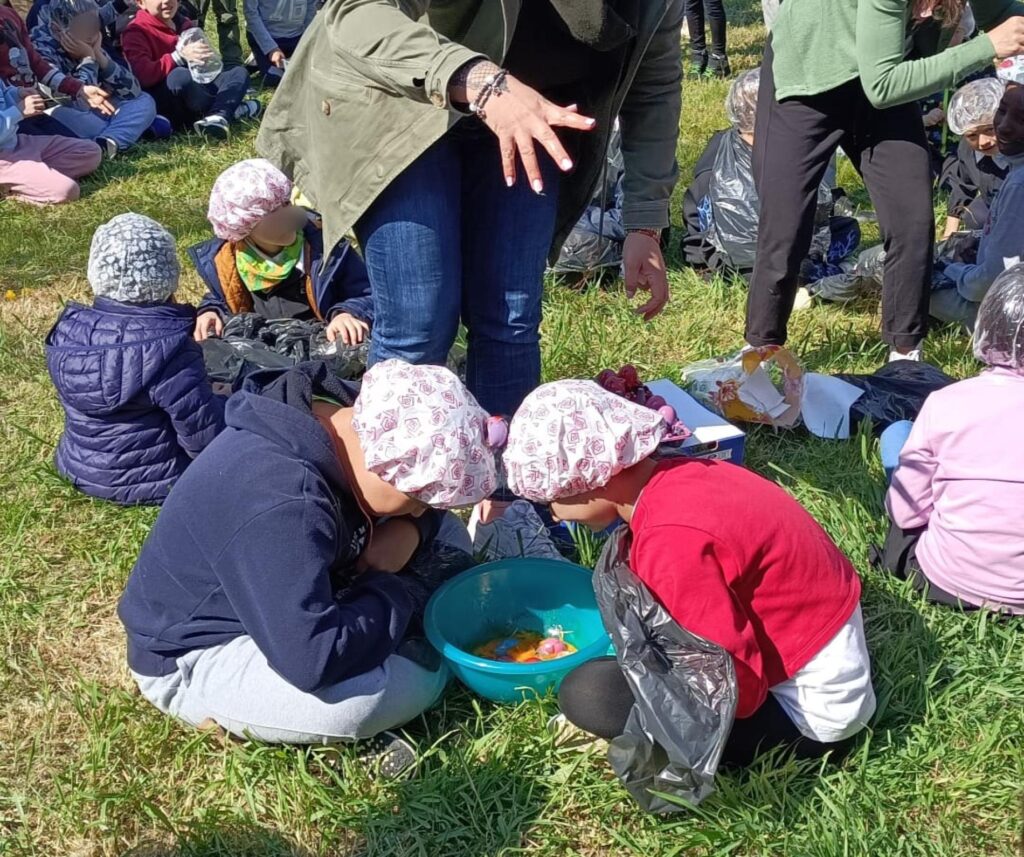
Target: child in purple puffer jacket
(138,404)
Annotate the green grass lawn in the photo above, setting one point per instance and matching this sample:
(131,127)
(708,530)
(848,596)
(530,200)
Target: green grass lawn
(88,768)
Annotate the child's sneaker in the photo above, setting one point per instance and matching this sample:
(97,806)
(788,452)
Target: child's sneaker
(213,127)
(108,146)
(718,66)
(248,109)
(389,756)
(159,129)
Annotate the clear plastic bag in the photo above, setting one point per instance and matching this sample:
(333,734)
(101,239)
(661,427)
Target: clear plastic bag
(206,70)
(684,686)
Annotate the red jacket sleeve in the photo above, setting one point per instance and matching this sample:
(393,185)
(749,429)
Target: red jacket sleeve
(687,570)
(148,68)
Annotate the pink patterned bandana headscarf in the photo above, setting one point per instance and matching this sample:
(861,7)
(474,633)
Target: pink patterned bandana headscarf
(243,195)
(570,437)
(423,433)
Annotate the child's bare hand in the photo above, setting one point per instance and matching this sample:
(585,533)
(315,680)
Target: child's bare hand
(196,52)
(98,99)
(349,329)
(32,104)
(276,57)
(208,325)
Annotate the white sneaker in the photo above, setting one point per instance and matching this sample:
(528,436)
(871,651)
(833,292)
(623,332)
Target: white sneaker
(109,147)
(914,354)
(213,127)
(802,300)
(248,109)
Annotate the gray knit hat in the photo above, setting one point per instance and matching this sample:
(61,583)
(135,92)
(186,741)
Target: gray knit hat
(133,259)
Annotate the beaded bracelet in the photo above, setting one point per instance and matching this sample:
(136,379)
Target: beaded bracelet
(493,84)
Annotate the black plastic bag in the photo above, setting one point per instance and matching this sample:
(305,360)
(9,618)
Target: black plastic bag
(895,392)
(684,686)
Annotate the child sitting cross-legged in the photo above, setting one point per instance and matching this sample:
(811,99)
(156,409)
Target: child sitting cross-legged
(958,472)
(71,38)
(132,383)
(268,258)
(280,590)
(150,45)
(975,174)
(731,556)
(39,169)
(959,290)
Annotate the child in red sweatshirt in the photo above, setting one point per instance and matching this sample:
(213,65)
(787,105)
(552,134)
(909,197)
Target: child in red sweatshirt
(150,44)
(731,556)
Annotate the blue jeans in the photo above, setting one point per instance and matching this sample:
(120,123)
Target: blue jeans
(133,117)
(448,240)
(891,443)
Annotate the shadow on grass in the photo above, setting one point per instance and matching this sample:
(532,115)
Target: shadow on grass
(234,840)
(461,805)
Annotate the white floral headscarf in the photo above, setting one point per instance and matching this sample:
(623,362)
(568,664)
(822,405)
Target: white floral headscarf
(243,195)
(422,432)
(570,437)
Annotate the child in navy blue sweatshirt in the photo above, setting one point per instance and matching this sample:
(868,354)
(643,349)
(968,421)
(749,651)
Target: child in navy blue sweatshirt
(268,258)
(277,588)
(132,382)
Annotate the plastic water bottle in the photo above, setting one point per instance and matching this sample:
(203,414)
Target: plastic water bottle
(205,71)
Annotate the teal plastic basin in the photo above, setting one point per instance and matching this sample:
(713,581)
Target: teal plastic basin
(509,595)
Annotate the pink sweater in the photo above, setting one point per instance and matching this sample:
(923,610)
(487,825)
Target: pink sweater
(961,475)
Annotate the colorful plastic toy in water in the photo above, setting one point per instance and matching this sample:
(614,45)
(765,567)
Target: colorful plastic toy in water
(526,647)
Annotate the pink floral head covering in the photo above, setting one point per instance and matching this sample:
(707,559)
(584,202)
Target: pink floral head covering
(243,195)
(570,437)
(423,433)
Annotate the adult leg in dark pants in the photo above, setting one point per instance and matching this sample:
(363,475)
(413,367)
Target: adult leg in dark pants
(596,698)
(226,15)
(794,141)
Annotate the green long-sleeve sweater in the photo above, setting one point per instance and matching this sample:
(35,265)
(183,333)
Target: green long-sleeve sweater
(822,44)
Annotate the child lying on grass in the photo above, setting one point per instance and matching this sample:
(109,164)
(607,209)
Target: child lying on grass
(268,258)
(958,488)
(731,556)
(131,380)
(277,589)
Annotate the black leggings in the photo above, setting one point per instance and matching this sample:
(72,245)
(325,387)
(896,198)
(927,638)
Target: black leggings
(714,12)
(793,143)
(596,698)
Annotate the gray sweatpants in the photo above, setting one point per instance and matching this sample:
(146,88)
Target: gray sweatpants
(234,685)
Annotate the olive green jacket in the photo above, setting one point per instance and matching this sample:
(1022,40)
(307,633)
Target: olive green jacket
(367,93)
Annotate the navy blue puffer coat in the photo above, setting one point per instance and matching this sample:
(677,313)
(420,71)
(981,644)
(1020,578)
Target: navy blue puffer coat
(138,403)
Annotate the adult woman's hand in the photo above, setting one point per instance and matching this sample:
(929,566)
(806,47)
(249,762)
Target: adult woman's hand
(1008,37)
(520,117)
(644,267)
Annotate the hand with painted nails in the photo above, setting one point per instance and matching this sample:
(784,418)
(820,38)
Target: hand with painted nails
(520,118)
